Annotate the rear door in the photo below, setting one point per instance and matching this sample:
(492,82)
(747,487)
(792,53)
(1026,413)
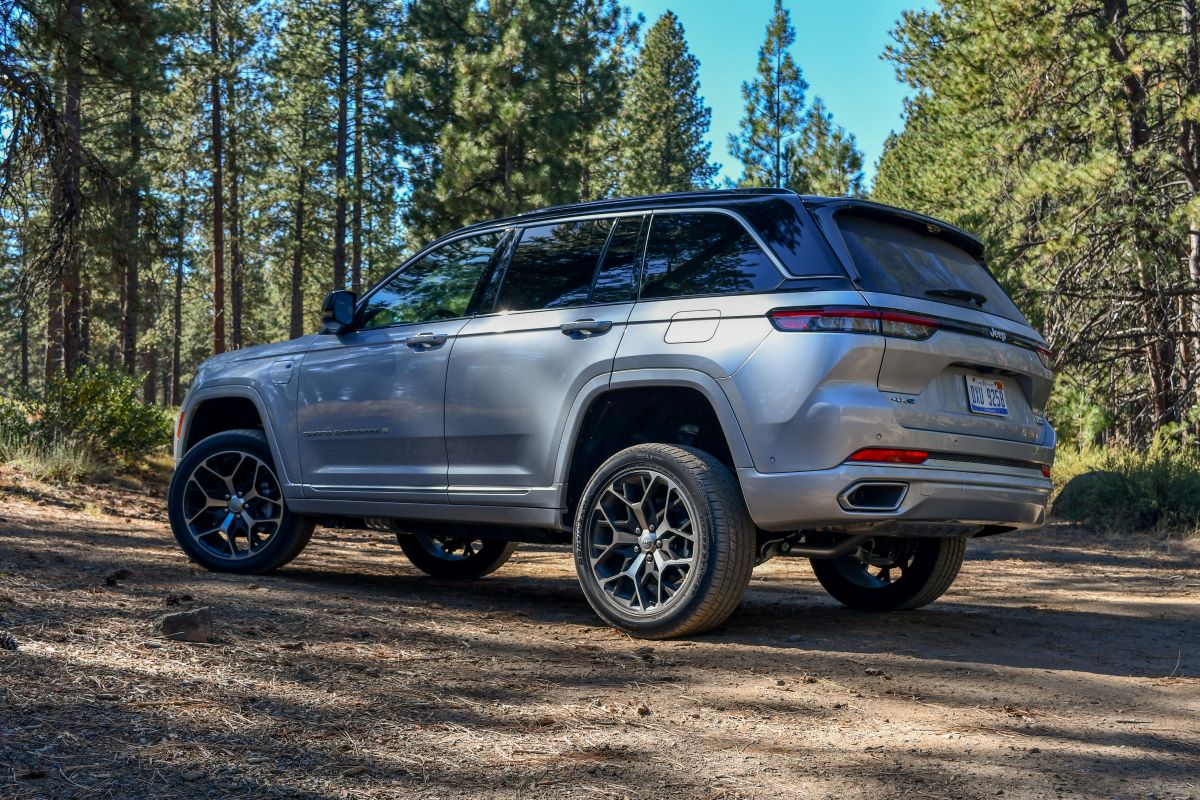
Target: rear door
(981,373)
(371,409)
(559,314)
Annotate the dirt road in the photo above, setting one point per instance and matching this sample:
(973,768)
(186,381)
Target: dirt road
(1058,666)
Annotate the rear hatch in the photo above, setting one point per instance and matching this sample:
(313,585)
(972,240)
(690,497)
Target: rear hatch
(981,373)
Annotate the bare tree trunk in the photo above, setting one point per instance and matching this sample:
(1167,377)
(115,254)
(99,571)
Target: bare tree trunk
(339,232)
(72,309)
(235,224)
(296,326)
(218,195)
(132,246)
(54,326)
(356,215)
(149,362)
(177,311)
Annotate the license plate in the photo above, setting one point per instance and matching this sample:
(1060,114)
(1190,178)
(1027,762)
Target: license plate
(986,396)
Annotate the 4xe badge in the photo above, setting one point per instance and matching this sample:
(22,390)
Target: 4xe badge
(998,334)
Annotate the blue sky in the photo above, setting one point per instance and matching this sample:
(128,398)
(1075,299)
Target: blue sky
(838,44)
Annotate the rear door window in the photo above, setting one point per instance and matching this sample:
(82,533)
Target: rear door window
(704,253)
(553,265)
(896,259)
(616,279)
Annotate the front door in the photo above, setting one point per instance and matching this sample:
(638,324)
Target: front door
(371,412)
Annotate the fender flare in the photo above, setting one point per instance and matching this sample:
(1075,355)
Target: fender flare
(242,391)
(634,378)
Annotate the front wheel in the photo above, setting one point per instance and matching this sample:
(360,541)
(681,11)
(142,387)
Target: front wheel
(889,574)
(663,543)
(455,557)
(227,509)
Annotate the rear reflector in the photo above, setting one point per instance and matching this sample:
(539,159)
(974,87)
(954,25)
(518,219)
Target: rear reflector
(179,425)
(853,320)
(887,455)
(1045,470)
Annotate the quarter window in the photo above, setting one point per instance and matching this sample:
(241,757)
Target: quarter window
(553,265)
(704,253)
(436,286)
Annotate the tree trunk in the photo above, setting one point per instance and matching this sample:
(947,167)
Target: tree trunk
(356,215)
(177,311)
(296,326)
(339,232)
(54,331)
(72,309)
(236,264)
(131,247)
(218,198)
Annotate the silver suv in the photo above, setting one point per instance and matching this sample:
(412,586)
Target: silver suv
(681,387)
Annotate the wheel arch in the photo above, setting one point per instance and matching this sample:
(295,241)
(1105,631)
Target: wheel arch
(225,408)
(611,415)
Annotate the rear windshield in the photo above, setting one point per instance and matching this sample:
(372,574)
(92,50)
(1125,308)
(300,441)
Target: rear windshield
(898,260)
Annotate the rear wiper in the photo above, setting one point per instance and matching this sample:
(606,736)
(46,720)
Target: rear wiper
(959,294)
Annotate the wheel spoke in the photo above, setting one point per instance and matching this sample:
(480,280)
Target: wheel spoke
(217,519)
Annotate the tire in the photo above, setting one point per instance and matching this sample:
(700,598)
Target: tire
(455,557)
(703,577)
(863,580)
(212,533)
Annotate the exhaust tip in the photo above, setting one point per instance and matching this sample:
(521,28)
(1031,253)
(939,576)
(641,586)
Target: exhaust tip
(873,496)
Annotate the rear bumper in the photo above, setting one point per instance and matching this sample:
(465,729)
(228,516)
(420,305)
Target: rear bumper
(788,501)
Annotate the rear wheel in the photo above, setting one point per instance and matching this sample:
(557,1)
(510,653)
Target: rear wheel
(664,545)
(227,509)
(889,574)
(455,557)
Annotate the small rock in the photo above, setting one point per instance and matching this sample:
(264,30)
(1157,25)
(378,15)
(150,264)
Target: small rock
(189,626)
(153,645)
(781,682)
(350,773)
(643,710)
(120,575)
(873,671)
(305,675)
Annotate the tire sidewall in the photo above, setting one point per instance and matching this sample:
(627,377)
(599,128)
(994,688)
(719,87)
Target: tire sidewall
(489,559)
(703,523)
(276,552)
(895,596)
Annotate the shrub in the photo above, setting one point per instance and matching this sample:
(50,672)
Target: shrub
(80,424)
(101,410)
(1126,489)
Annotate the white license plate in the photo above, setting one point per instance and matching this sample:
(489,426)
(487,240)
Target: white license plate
(986,396)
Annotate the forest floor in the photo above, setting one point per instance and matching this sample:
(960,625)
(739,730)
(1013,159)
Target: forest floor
(1060,665)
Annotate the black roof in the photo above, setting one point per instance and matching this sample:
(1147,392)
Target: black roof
(720,196)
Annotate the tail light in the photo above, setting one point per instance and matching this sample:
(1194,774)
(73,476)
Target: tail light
(854,320)
(1045,470)
(889,455)
(1046,357)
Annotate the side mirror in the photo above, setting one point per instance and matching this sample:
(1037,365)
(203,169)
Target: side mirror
(338,311)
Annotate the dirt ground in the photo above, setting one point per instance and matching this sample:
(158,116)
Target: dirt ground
(1059,666)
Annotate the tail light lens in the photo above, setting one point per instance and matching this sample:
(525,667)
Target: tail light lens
(1045,470)
(889,455)
(854,320)
(1046,357)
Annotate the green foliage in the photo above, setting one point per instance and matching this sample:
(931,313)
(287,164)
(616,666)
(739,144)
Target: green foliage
(765,142)
(1120,489)
(663,121)
(827,160)
(94,418)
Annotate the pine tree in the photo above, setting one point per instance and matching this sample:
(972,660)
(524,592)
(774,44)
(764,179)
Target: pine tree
(826,160)
(765,143)
(664,122)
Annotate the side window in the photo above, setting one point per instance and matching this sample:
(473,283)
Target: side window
(553,265)
(616,280)
(437,286)
(704,253)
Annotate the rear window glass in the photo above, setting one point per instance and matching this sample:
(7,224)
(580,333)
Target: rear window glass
(700,253)
(616,280)
(553,265)
(898,260)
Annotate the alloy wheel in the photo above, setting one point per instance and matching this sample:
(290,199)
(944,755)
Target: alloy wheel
(232,505)
(640,541)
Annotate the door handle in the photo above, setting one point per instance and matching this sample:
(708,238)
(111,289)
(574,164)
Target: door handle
(424,341)
(586,326)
